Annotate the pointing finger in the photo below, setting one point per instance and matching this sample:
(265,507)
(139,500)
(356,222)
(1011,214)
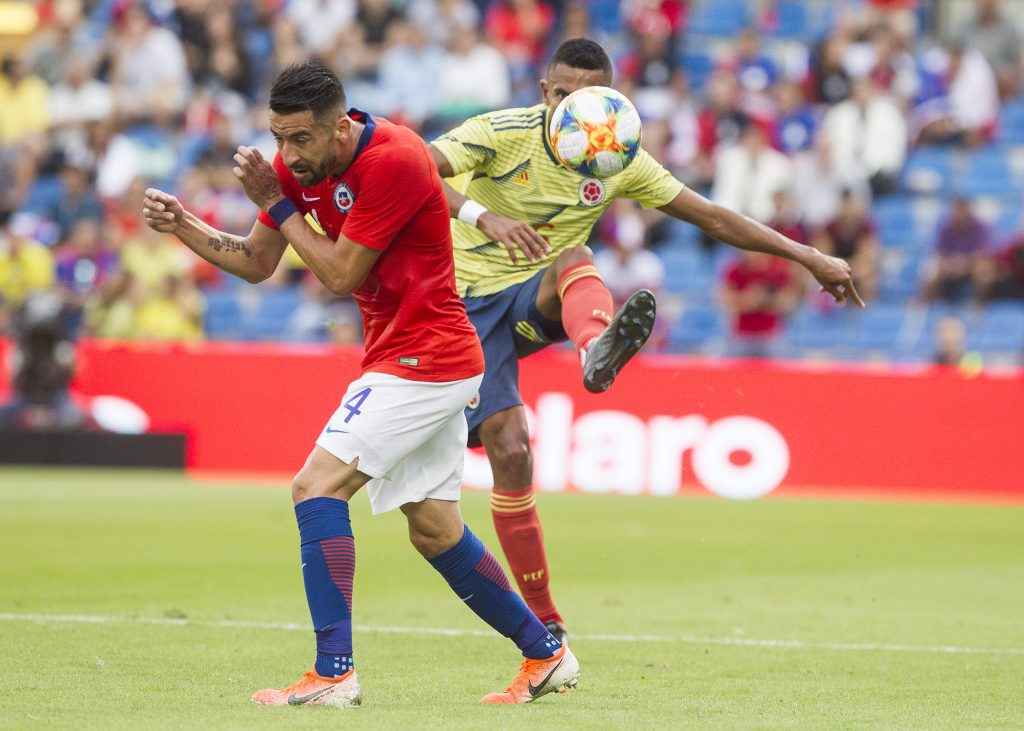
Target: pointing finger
(852,291)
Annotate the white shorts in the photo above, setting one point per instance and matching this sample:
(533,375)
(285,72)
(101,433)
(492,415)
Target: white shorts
(409,436)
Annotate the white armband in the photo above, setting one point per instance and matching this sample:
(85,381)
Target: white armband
(470,212)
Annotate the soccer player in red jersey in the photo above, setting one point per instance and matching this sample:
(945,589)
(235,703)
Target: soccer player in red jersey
(374,191)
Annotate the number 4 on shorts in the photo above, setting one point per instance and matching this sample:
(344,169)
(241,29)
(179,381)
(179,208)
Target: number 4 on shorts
(355,402)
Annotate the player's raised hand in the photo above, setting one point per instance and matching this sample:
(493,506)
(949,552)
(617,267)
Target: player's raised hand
(834,276)
(258,177)
(515,235)
(162,211)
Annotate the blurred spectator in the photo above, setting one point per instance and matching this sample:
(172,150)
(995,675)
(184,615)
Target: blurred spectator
(882,58)
(410,71)
(442,20)
(474,78)
(999,41)
(75,199)
(665,18)
(1008,271)
(900,15)
(828,82)
(868,135)
(519,29)
(320,24)
(65,38)
(321,316)
(626,265)
(152,258)
(26,267)
(796,122)
(747,175)
(758,291)
(958,266)
(174,312)
(24,105)
(148,75)
(756,71)
(966,111)
(86,265)
(78,99)
(719,123)
(951,346)
(649,69)
(223,63)
(851,236)
(786,217)
(42,366)
(950,341)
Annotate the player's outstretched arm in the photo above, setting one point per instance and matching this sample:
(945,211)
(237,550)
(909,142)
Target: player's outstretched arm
(253,257)
(723,224)
(514,235)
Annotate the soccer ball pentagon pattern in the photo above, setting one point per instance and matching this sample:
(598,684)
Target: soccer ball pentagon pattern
(595,131)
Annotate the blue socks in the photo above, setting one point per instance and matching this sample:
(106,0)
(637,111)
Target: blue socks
(478,579)
(328,566)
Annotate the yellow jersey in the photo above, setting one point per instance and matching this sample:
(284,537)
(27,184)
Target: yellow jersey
(504,160)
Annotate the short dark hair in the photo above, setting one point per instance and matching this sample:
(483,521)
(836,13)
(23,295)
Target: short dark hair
(308,86)
(581,53)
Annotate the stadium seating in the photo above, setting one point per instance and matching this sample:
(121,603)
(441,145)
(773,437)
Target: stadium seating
(719,18)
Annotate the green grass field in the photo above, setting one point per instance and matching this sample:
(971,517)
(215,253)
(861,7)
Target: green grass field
(137,599)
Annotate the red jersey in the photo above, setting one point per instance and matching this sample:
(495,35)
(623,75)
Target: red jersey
(775,274)
(390,199)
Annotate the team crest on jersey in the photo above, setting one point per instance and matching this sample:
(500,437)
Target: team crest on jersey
(343,198)
(592,192)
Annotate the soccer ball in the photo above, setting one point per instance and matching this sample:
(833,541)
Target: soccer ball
(595,131)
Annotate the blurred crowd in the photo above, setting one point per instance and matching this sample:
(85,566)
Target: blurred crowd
(106,97)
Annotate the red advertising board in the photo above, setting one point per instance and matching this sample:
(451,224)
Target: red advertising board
(669,425)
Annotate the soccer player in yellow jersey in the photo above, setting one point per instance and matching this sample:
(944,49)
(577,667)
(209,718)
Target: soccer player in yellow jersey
(528,279)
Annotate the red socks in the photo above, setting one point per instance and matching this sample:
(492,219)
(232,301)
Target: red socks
(586,303)
(522,540)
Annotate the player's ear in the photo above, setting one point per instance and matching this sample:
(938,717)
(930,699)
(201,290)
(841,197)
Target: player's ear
(342,128)
(544,90)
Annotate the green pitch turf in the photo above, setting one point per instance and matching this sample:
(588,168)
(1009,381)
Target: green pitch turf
(141,600)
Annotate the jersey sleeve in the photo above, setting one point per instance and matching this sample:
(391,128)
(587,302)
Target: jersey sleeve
(392,190)
(472,146)
(288,186)
(649,184)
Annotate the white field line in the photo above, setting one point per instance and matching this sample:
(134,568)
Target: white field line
(684,639)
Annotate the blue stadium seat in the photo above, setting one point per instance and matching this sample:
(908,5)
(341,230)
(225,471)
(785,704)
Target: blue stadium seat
(1001,328)
(793,19)
(719,17)
(695,326)
(223,316)
(896,221)
(878,326)
(1011,123)
(698,67)
(812,328)
(686,268)
(987,171)
(928,170)
(272,312)
(605,15)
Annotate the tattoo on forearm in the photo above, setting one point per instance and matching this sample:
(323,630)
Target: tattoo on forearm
(226,243)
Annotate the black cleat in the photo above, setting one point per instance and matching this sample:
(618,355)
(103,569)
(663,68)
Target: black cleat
(558,631)
(620,341)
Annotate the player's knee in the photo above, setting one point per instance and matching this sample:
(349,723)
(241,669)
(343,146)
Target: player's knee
(573,256)
(430,543)
(512,455)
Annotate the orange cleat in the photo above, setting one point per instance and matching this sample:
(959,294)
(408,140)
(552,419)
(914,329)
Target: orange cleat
(315,690)
(538,677)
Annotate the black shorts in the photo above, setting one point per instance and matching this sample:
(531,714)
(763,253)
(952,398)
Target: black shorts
(510,327)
